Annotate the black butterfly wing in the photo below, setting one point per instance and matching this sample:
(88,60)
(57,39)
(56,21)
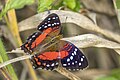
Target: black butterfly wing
(51,21)
(75,60)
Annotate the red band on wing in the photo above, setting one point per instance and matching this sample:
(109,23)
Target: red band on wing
(47,31)
(63,54)
(49,55)
(66,45)
(53,55)
(41,37)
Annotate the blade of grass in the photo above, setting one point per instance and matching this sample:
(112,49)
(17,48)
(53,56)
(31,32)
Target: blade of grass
(4,57)
(13,26)
(14,29)
(5,76)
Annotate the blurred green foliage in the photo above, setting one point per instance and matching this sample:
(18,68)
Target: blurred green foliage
(70,3)
(114,75)
(107,78)
(15,4)
(44,5)
(118,4)
(9,69)
(48,4)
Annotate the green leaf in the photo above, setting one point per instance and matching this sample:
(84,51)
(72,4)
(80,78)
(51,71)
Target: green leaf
(15,4)
(116,73)
(4,58)
(118,4)
(78,6)
(107,78)
(70,3)
(44,5)
(1,60)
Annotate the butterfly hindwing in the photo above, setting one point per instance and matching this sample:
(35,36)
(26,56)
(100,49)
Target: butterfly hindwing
(70,57)
(46,60)
(75,60)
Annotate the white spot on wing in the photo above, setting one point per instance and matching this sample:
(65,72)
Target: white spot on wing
(40,27)
(75,49)
(58,23)
(79,64)
(83,56)
(68,60)
(33,36)
(68,63)
(71,57)
(49,18)
(73,54)
(52,64)
(45,26)
(30,39)
(75,61)
(64,64)
(53,18)
(48,65)
(55,23)
(57,63)
(72,63)
(81,59)
(49,24)
(52,24)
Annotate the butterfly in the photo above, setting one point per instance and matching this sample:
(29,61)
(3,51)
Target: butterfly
(68,55)
(50,24)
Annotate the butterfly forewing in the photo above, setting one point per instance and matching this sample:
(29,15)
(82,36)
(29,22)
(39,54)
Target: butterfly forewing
(52,21)
(50,26)
(30,43)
